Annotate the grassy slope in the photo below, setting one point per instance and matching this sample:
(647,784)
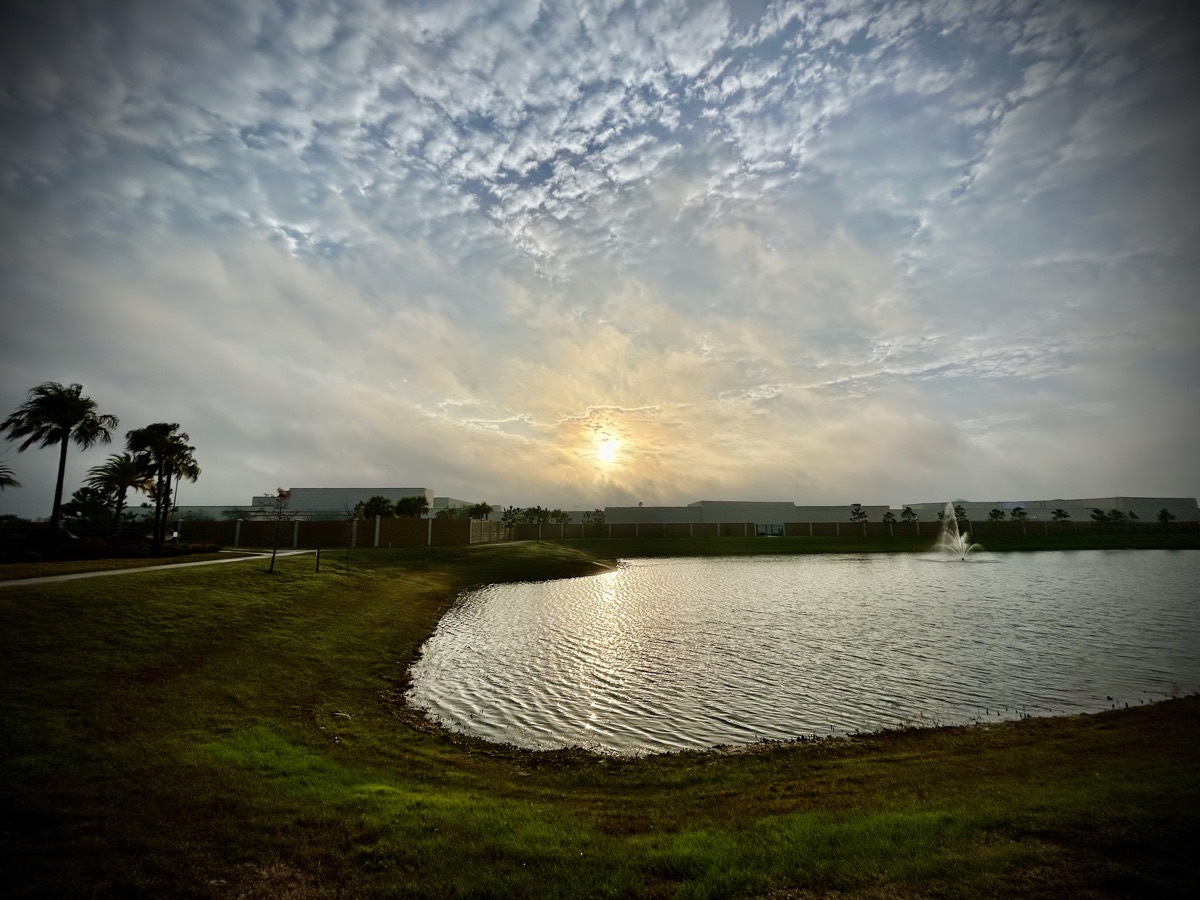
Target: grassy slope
(216,731)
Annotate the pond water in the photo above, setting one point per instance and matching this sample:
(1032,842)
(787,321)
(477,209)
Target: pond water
(669,654)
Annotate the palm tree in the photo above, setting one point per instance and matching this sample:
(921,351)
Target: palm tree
(377,505)
(412,507)
(168,455)
(6,478)
(54,414)
(122,472)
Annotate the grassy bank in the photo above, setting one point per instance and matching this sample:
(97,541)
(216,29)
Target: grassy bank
(217,731)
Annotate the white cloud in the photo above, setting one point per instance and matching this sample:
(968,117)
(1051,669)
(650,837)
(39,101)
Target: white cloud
(456,240)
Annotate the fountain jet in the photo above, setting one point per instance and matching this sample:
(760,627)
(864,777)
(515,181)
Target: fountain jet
(951,540)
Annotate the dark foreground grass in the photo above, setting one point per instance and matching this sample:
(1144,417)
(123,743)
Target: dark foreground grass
(218,731)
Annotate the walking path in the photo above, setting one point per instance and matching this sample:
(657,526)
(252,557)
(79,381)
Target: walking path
(204,562)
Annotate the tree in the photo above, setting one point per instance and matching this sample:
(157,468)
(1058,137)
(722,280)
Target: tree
(480,510)
(1058,515)
(996,515)
(1020,515)
(960,513)
(558,517)
(1165,517)
(412,507)
(1100,516)
(280,515)
(6,478)
(908,515)
(57,415)
(1117,518)
(121,472)
(167,454)
(88,506)
(889,519)
(858,515)
(593,517)
(376,506)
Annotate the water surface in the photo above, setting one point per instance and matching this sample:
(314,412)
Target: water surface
(669,654)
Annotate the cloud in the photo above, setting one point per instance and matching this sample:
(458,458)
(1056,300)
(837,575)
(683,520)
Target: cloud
(784,250)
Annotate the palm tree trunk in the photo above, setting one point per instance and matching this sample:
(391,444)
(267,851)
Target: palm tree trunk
(155,538)
(165,512)
(56,510)
(120,509)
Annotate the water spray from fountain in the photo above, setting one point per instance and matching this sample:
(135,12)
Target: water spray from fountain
(951,540)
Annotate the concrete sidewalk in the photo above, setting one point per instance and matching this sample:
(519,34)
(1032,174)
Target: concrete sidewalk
(204,562)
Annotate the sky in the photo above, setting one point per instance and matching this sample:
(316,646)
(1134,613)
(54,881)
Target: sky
(581,254)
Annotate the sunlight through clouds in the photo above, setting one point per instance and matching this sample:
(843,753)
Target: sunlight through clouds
(605,252)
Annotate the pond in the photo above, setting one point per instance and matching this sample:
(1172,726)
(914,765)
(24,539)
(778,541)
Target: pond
(661,655)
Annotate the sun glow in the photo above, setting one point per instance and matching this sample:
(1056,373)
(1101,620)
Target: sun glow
(607,450)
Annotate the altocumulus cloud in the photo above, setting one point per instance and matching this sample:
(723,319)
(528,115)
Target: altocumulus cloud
(813,251)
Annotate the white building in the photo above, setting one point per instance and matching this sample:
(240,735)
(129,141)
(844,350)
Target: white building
(766,513)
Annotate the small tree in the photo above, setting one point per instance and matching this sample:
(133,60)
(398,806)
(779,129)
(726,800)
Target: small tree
(480,510)
(1117,518)
(858,515)
(889,519)
(1020,515)
(1058,515)
(593,517)
(960,514)
(908,515)
(996,515)
(88,506)
(1165,518)
(1100,517)
(278,515)
(558,517)
(412,507)
(376,506)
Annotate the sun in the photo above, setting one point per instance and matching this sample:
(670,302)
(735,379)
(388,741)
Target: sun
(608,448)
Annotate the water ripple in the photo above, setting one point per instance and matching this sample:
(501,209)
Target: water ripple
(663,655)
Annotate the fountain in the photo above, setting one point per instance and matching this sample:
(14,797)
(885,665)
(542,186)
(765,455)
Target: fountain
(951,540)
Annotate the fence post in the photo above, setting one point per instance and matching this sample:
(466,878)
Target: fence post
(295,534)
(354,534)
(378,519)
(237,534)
(429,536)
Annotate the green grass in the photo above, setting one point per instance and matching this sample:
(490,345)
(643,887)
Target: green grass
(218,731)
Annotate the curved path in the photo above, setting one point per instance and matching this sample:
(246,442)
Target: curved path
(43,579)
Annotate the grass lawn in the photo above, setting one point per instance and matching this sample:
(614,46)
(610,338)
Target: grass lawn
(218,731)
